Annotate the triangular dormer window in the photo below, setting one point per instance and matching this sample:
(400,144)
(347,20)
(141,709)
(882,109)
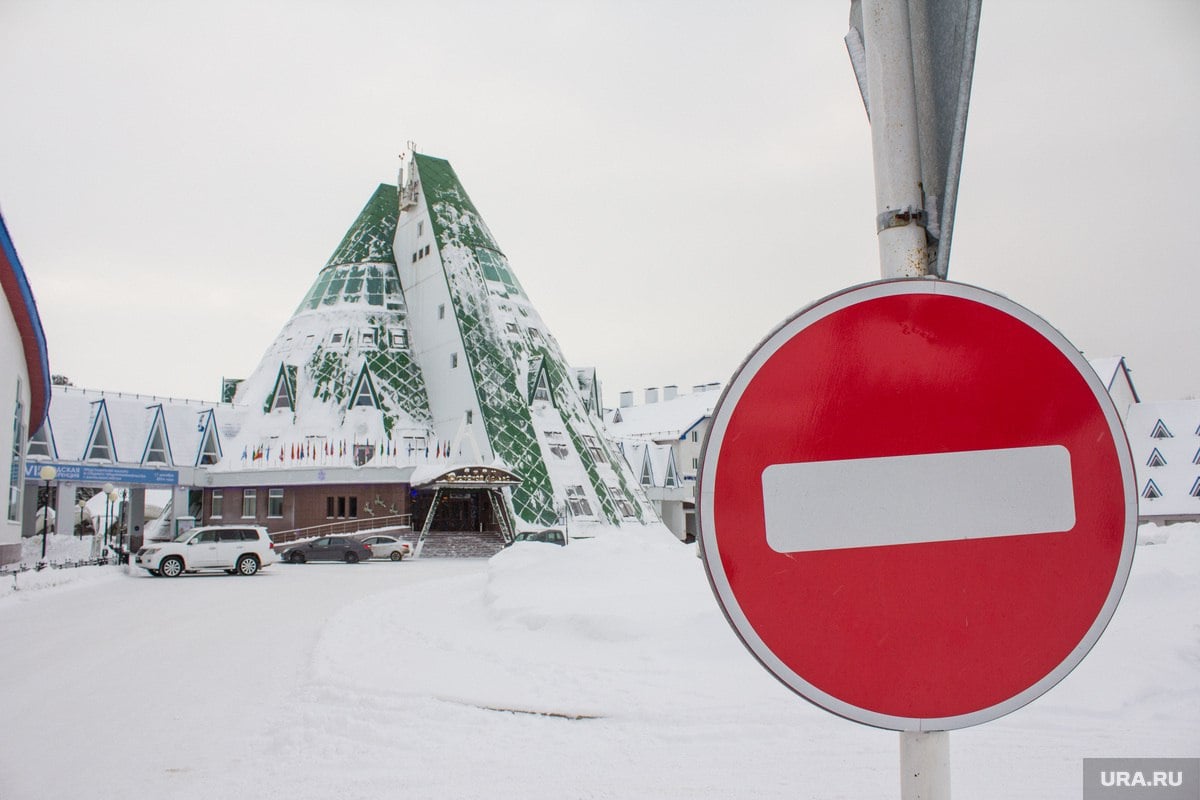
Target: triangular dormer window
(617,417)
(1151,492)
(647,478)
(100,444)
(364,395)
(1195,492)
(1156,459)
(42,443)
(1196,458)
(284,393)
(210,445)
(672,479)
(541,388)
(1160,431)
(158,451)
(538,386)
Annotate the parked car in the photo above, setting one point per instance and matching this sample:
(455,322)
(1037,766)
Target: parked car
(384,546)
(328,548)
(237,549)
(549,535)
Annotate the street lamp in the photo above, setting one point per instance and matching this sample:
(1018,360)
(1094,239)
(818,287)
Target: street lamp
(47,473)
(82,513)
(109,496)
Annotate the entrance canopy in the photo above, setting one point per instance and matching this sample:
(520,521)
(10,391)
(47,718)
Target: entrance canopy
(468,476)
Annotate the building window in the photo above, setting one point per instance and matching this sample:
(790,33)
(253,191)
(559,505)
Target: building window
(336,338)
(218,503)
(695,436)
(400,340)
(249,503)
(442,311)
(426,249)
(14,473)
(454,361)
(620,500)
(353,510)
(470,416)
(558,444)
(101,449)
(695,463)
(209,454)
(275,502)
(367,338)
(156,453)
(593,446)
(39,445)
(328,508)
(577,502)
(420,227)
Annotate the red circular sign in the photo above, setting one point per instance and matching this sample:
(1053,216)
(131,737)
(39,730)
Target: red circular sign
(917,505)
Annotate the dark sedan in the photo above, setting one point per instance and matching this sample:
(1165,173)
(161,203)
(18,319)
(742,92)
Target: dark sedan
(328,548)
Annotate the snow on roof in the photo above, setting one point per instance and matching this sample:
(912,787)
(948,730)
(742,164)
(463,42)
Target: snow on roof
(1106,368)
(1167,435)
(130,417)
(664,420)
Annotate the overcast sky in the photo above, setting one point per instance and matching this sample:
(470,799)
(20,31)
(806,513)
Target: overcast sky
(669,180)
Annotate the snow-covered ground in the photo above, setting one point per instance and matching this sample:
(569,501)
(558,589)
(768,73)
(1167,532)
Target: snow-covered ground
(599,670)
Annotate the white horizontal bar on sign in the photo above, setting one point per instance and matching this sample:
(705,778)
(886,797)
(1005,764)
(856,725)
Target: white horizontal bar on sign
(935,497)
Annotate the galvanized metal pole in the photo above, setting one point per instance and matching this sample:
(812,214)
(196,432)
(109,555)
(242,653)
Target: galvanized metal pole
(895,139)
(925,765)
(900,206)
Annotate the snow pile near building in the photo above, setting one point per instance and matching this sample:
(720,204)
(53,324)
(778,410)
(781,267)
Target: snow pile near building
(621,635)
(550,630)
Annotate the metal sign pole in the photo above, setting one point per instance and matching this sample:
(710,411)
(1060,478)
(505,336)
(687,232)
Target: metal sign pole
(925,765)
(901,221)
(895,139)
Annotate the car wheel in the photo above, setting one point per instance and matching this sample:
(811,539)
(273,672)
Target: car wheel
(297,558)
(247,565)
(171,567)
(396,556)
(351,558)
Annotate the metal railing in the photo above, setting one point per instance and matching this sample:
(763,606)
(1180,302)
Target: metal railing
(342,527)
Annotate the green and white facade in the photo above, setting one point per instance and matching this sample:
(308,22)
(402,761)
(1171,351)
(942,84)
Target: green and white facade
(415,351)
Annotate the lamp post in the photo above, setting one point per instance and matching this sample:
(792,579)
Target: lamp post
(47,473)
(82,504)
(109,492)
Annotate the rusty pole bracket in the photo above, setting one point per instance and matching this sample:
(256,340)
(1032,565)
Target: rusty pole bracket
(895,218)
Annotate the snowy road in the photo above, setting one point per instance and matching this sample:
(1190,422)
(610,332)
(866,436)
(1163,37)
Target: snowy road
(151,688)
(599,670)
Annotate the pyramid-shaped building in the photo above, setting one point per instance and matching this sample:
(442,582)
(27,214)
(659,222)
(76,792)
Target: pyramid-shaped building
(417,379)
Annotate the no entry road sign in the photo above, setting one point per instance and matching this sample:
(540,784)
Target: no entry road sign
(917,505)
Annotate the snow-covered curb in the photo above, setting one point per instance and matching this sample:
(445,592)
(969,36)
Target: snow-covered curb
(26,581)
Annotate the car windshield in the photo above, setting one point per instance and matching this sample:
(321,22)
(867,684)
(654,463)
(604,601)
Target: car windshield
(183,537)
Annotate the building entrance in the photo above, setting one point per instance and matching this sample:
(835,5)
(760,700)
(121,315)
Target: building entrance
(463,512)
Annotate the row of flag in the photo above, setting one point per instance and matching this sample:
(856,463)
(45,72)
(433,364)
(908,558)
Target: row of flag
(310,451)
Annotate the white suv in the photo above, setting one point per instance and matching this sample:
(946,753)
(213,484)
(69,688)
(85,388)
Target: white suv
(237,549)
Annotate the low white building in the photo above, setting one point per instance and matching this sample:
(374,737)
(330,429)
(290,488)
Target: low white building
(662,440)
(1165,440)
(24,389)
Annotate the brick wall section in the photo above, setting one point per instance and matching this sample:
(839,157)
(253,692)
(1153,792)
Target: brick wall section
(305,506)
